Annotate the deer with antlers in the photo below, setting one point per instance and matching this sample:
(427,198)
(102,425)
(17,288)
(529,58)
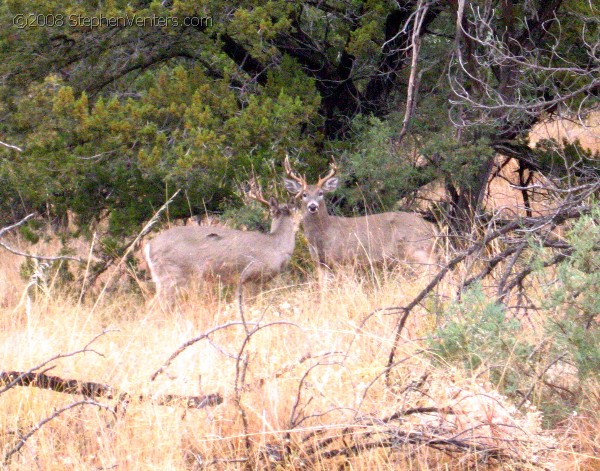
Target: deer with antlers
(181,254)
(386,238)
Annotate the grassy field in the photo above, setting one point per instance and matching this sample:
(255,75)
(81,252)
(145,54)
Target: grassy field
(302,374)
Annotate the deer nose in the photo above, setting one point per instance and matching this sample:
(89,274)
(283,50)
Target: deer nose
(313,207)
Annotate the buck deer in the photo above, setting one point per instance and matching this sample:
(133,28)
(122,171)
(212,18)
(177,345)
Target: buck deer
(386,238)
(181,254)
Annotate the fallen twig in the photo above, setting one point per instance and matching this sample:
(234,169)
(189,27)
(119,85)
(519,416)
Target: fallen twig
(92,389)
(10,146)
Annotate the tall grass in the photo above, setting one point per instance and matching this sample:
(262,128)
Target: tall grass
(311,392)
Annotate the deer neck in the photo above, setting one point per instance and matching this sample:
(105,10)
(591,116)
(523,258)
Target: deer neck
(282,229)
(316,223)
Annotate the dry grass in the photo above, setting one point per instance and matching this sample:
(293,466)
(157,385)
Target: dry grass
(315,373)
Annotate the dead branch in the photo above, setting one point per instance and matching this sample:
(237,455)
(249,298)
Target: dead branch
(540,376)
(451,427)
(85,349)
(519,277)
(354,440)
(418,410)
(10,146)
(17,224)
(11,379)
(216,461)
(29,255)
(297,416)
(491,263)
(241,368)
(23,439)
(432,284)
(189,343)
(308,356)
(207,336)
(90,389)
(528,225)
(414,79)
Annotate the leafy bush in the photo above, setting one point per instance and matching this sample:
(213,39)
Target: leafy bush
(477,335)
(480,336)
(574,300)
(380,174)
(112,157)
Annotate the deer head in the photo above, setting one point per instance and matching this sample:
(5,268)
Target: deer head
(312,196)
(277,210)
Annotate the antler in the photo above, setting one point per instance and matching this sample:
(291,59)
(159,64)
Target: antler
(331,173)
(293,175)
(255,192)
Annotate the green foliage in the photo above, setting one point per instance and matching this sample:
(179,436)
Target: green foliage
(113,158)
(113,119)
(248,217)
(29,231)
(478,335)
(575,298)
(379,173)
(459,162)
(267,20)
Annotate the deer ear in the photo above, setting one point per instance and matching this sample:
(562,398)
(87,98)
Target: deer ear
(331,184)
(292,186)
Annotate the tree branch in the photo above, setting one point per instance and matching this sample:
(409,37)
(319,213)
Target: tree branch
(9,146)
(92,389)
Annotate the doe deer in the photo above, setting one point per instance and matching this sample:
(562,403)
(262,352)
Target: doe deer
(385,238)
(181,254)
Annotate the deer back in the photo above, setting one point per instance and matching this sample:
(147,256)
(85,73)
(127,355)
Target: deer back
(180,254)
(375,238)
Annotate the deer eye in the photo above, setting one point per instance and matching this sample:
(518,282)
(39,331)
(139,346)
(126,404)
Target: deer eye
(320,192)
(304,195)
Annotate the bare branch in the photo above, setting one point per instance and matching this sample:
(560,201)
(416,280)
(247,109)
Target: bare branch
(39,257)
(129,248)
(15,380)
(413,81)
(9,146)
(92,389)
(17,224)
(23,439)
(189,343)
(28,255)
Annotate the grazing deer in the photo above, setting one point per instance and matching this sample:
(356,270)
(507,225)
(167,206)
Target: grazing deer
(386,238)
(181,254)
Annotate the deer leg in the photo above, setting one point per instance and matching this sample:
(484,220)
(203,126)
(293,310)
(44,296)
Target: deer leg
(250,274)
(167,282)
(164,298)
